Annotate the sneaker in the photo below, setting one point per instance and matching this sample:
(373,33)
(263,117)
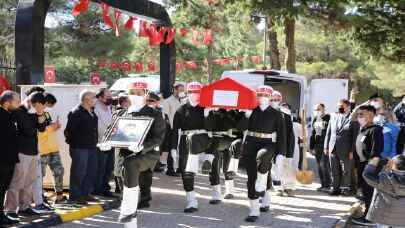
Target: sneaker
(362,221)
(29,212)
(13,215)
(60,200)
(7,220)
(43,208)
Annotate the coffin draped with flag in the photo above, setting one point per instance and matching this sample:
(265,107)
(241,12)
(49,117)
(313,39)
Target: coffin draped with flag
(228,93)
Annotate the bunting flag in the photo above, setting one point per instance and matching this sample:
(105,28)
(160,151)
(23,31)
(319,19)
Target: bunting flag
(208,37)
(95,78)
(117,15)
(179,67)
(129,25)
(184,32)
(194,38)
(4,84)
(81,7)
(106,15)
(191,65)
(138,67)
(170,35)
(113,65)
(255,59)
(151,67)
(101,64)
(126,66)
(143,29)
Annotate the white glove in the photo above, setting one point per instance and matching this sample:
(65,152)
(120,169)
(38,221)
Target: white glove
(135,148)
(248,112)
(210,134)
(207,112)
(173,153)
(104,146)
(279,159)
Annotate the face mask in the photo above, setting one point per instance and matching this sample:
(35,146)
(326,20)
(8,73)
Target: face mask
(182,94)
(376,104)
(275,104)
(108,102)
(264,102)
(194,99)
(362,121)
(379,119)
(137,102)
(285,110)
(341,110)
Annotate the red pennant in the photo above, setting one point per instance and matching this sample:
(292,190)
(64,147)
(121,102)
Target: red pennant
(255,59)
(184,32)
(4,84)
(81,7)
(138,67)
(95,78)
(194,38)
(117,15)
(101,64)
(143,29)
(151,67)
(217,61)
(50,74)
(170,35)
(179,67)
(225,61)
(129,25)
(191,65)
(106,15)
(126,66)
(113,65)
(208,37)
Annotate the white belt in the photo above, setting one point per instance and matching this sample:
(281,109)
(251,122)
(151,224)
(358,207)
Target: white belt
(223,133)
(197,131)
(272,136)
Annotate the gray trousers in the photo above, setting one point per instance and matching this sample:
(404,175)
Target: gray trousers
(341,168)
(19,195)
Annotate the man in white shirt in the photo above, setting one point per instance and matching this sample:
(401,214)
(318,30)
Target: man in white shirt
(105,158)
(170,106)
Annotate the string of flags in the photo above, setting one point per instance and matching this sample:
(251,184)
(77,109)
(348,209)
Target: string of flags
(157,34)
(138,66)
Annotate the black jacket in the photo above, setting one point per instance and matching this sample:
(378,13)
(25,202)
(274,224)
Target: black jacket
(27,130)
(8,137)
(290,140)
(269,121)
(317,140)
(224,120)
(187,117)
(372,138)
(81,129)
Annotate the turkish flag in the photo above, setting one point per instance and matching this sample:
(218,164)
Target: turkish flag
(143,29)
(129,25)
(208,37)
(95,78)
(113,65)
(81,7)
(194,38)
(170,35)
(4,85)
(138,67)
(255,59)
(106,15)
(191,65)
(126,66)
(49,74)
(151,67)
(184,32)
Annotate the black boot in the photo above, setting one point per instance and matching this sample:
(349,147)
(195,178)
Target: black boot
(6,220)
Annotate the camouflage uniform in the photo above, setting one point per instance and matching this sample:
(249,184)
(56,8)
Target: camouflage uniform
(55,163)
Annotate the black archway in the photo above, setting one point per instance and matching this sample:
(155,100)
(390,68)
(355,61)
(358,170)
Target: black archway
(29,38)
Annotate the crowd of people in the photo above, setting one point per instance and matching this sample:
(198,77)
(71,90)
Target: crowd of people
(359,150)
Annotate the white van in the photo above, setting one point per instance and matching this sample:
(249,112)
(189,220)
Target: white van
(291,86)
(121,84)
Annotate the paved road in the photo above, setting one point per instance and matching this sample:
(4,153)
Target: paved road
(307,209)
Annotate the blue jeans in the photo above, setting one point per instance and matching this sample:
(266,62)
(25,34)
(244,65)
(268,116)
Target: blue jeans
(83,172)
(105,170)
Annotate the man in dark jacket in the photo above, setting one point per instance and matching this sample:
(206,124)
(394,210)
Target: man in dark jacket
(340,145)
(369,145)
(9,101)
(81,135)
(30,119)
(399,111)
(319,125)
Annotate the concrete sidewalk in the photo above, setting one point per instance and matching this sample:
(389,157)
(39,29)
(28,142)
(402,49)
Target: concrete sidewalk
(307,209)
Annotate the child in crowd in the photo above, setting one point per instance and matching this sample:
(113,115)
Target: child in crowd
(388,204)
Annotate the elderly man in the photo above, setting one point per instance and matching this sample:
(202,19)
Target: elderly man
(81,134)
(9,101)
(105,159)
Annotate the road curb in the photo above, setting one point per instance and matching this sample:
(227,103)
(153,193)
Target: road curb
(84,212)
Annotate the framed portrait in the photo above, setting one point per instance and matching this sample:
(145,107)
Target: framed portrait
(128,130)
